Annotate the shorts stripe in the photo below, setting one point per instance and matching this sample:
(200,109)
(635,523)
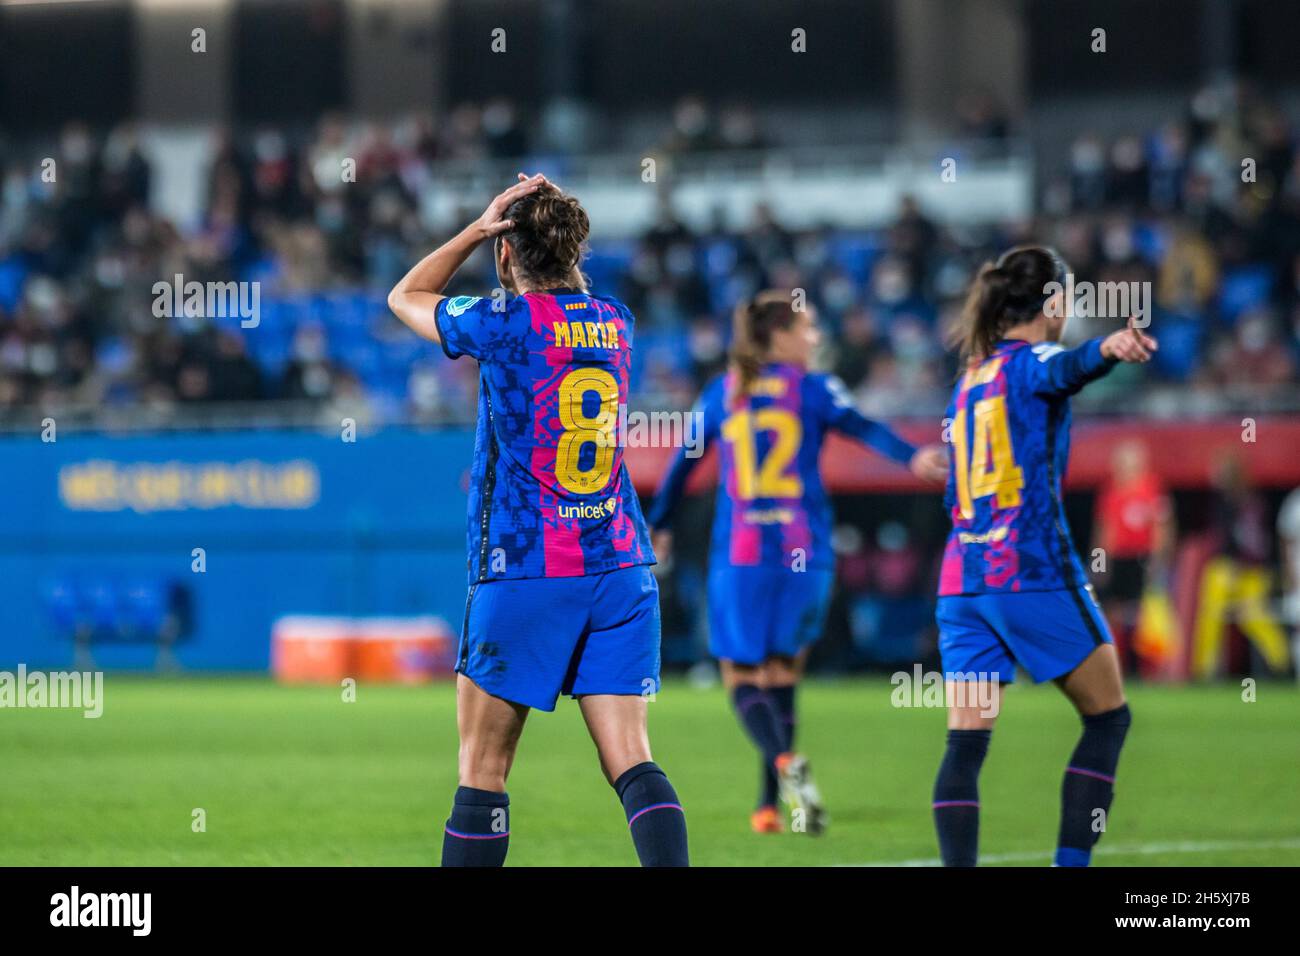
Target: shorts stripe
(1089,622)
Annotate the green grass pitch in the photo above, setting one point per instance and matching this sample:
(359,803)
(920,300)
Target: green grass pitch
(294,775)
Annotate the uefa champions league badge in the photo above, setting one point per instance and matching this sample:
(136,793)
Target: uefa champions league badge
(460,304)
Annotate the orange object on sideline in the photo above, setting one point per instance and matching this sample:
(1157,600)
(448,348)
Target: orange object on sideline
(310,649)
(406,651)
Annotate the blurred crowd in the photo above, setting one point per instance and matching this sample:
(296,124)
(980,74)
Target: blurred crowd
(1205,208)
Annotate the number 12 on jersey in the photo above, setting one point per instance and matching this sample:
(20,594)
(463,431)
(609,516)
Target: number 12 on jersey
(988,466)
(771,477)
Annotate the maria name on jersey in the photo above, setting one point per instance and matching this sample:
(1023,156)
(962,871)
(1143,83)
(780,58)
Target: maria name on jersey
(586,335)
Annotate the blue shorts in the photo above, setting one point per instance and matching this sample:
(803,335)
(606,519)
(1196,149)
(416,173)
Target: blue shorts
(531,639)
(760,612)
(1048,633)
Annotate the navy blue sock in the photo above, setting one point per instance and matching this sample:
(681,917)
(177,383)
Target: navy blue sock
(654,816)
(957,796)
(1089,785)
(478,832)
(759,716)
(769,787)
(783,704)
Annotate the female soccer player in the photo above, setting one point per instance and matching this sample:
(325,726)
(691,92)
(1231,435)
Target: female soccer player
(1012,590)
(771,564)
(561,598)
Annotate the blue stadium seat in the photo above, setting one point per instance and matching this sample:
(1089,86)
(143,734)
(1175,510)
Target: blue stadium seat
(1180,346)
(13,275)
(137,609)
(145,607)
(1151,240)
(1243,289)
(718,258)
(61,601)
(608,262)
(102,606)
(855,252)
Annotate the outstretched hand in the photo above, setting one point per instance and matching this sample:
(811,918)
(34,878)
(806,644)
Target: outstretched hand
(930,463)
(1129,345)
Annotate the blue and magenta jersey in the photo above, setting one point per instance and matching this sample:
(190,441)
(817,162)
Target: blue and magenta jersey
(1010,425)
(772,509)
(549,493)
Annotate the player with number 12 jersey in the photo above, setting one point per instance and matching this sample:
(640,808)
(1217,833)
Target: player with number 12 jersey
(771,565)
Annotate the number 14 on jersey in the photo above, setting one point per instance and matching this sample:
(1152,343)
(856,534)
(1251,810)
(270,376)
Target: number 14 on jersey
(988,466)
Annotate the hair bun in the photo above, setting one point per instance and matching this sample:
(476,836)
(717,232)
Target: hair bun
(549,234)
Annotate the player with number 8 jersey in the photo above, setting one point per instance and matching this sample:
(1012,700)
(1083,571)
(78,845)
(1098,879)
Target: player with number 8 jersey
(551,497)
(561,596)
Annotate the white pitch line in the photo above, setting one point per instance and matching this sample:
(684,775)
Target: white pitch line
(1139,849)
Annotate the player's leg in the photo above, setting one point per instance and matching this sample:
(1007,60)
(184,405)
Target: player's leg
(973,706)
(977,666)
(478,831)
(514,654)
(1062,636)
(781,674)
(800,601)
(614,672)
(617,724)
(740,619)
(1096,689)
(756,712)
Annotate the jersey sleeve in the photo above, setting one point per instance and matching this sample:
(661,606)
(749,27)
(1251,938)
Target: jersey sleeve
(843,416)
(1056,372)
(707,413)
(477,326)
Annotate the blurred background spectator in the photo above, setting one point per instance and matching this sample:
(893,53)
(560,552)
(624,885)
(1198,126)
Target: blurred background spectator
(79,257)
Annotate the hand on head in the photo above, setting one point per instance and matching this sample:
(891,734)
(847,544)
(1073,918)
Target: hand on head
(492,223)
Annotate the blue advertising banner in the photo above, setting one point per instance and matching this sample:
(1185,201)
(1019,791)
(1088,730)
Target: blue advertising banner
(119,548)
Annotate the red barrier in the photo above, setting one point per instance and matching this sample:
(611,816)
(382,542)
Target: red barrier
(1184,454)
